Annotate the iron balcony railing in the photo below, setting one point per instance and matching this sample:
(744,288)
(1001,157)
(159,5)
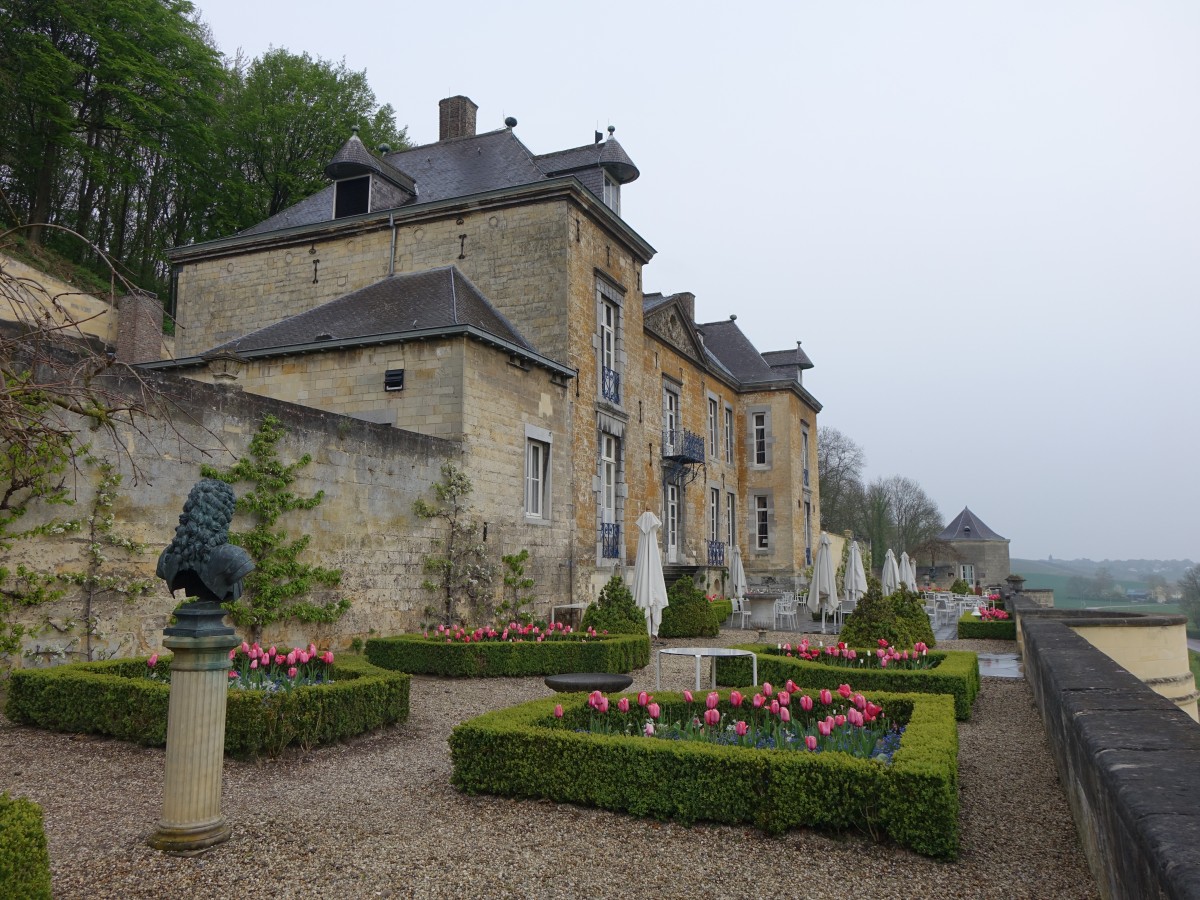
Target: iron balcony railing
(610,540)
(716,553)
(808,556)
(683,445)
(610,385)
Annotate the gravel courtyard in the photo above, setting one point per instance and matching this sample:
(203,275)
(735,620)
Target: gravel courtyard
(377,817)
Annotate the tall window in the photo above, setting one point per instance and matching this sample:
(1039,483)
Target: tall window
(761,523)
(804,452)
(537,473)
(730,519)
(714,447)
(608,477)
(729,434)
(609,326)
(612,194)
(671,437)
(714,514)
(807,533)
(760,439)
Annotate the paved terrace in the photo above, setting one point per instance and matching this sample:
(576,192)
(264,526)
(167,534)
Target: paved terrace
(376,817)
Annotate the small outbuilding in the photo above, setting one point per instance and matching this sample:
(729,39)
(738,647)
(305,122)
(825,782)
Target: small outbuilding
(968,549)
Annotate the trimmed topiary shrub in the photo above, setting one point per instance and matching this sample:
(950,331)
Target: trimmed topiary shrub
(973,628)
(24,857)
(688,612)
(722,609)
(899,619)
(524,751)
(956,672)
(115,698)
(614,611)
(960,586)
(420,655)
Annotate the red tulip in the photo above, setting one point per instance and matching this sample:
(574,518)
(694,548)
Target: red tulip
(653,710)
(735,698)
(712,700)
(810,742)
(806,703)
(845,691)
(278,659)
(558,711)
(711,717)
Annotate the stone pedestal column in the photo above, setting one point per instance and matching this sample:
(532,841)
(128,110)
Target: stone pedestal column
(191,819)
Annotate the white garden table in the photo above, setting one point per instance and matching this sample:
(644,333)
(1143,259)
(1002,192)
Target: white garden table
(711,653)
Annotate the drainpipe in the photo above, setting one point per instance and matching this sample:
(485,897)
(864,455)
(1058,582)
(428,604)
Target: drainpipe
(392,256)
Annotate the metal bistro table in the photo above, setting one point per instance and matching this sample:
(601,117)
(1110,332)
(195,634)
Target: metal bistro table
(713,653)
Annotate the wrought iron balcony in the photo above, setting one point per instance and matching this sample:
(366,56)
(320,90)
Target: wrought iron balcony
(610,385)
(683,445)
(716,553)
(610,541)
(808,556)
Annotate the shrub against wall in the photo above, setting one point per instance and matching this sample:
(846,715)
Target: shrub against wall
(899,619)
(24,857)
(688,612)
(614,611)
(973,628)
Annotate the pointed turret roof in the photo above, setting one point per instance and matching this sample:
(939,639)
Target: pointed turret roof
(967,526)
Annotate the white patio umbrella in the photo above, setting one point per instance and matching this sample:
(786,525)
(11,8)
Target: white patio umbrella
(822,590)
(908,571)
(891,574)
(855,579)
(737,574)
(649,586)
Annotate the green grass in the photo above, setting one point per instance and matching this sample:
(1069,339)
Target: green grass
(1194,664)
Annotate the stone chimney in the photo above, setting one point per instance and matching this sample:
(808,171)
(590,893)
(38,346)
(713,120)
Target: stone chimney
(139,328)
(456,118)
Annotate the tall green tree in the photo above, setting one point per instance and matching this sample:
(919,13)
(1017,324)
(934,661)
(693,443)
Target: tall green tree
(840,463)
(286,115)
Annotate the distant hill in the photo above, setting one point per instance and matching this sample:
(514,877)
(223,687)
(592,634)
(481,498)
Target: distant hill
(1123,570)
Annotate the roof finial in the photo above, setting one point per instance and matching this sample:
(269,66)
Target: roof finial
(354,129)
(611,129)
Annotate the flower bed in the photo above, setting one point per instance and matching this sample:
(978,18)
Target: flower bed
(529,751)
(116,698)
(579,652)
(953,672)
(24,859)
(987,628)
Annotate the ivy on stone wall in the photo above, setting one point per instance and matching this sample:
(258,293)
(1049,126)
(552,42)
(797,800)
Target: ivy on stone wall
(277,590)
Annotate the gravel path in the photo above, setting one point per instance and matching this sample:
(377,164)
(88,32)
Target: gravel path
(377,817)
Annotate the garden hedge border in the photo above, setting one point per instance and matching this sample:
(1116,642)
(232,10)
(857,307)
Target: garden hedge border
(114,698)
(419,655)
(974,628)
(957,674)
(24,856)
(523,751)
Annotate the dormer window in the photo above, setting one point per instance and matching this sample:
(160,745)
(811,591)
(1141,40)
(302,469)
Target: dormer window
(352,196)
(612,194)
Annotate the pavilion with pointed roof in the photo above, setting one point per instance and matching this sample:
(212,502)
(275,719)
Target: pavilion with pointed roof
(968,549)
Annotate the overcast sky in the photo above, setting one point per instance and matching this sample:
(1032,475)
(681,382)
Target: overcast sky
(982,219)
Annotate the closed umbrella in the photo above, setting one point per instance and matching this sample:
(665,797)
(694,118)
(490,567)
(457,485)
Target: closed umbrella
(891,574)
(649,586)
(855,580)
(907,571)
(737,573)
(822,591)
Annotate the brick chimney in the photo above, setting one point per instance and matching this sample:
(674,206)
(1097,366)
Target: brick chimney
(456,118)
(139,328)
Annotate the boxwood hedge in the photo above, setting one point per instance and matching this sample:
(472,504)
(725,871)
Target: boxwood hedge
(419,655)
(523,751)
(956,673)
(973,627)
(114,698)
(24,858)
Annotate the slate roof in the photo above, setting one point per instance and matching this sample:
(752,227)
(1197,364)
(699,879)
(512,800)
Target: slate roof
(457,168)
(966,526)
(734,351)
(795,359)
(353,158)
(433,299)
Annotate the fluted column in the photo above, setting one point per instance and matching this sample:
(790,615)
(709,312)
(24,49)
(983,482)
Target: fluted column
(191,819)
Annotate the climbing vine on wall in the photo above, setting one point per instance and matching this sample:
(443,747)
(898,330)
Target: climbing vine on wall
(278,588)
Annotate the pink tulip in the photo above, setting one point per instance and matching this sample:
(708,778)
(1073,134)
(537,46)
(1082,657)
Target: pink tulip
(859,701)
(810,742)
(845,691)
(687,696)
(735,698)
(602,706)
(245,648)
(784,698)
(279,659)
(233,653)
(649,729)
(712,717)
(758,701)
(826,696)
(791,687)
(152,661)
(270,652)
(806,703)
(558,711)
(312,650)
(232,674)
(292,672)
(767,689)
(653,710)
(824,728)
(883,664)
(839,720)
(774,707)
(327,657)
(785,714)
(643,698)
(623,704)
(712,700)
(291,658)
(740,729)
(254,663)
